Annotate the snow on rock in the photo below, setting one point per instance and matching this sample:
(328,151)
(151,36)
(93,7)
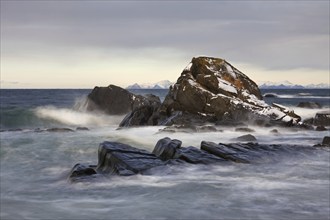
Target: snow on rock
(230,70)
(215,90)
(226,86)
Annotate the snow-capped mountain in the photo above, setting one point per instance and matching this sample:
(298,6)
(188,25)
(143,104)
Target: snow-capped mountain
(289,85)
(164,84)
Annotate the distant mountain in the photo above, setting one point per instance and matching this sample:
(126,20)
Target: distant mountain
(165,84)
(289,85)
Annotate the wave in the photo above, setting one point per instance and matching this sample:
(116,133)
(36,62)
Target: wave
(68,116)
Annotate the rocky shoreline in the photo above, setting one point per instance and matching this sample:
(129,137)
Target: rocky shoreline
(209,92)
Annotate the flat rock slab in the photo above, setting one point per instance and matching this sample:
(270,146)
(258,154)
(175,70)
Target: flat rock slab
(122,159)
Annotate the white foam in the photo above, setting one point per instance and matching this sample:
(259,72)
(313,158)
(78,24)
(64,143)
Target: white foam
(71,117)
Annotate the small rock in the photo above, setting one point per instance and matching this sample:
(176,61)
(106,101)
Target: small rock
(309,105)
(322,118)
(244,130)
(326,141)
(82,129)
(59,130)
(166,148)
(247,137)
(275,131)
(320,128)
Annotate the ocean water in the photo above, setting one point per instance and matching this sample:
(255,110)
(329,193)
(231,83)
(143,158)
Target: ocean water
(35,166)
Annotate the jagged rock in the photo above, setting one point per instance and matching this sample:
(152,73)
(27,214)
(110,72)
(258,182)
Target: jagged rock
(81,170)
(121,159)
(124,160)
(322,118)
(143,115)
(223,151)
(166,148)
(115,100)
(196,156)
(309,105)
(246,138)
(212,90)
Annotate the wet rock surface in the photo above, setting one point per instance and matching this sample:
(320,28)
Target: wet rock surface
(116,158)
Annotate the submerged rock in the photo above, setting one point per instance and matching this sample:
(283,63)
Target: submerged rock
(59,130)
(246,138)
(309,105)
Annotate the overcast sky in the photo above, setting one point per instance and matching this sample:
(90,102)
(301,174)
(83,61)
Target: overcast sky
(81,44)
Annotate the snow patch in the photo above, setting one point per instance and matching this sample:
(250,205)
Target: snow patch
(230,70)
(226,86)
(188,67)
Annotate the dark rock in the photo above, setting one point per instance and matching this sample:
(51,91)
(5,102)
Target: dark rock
(246,138)
(166,148)
(122,159)
(322,118)
(81,170)
(320,128)
(82,129)
(309,121)
(145,114)
(59,130)
(275,131)
(309,105)
(115,100)
(207,128)
(270,95)
(223,151)
(244,130)
(196,156)
(326,141)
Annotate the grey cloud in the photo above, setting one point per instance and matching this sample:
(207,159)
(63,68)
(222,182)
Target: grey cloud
(251,31)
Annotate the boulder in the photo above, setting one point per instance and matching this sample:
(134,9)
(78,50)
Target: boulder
(322,118)
(246,138)
(270,95)
(80,171)
(326,141)
(115,100)
(166,148)
(122,159)
(145,114)
(309,105)
(320,128)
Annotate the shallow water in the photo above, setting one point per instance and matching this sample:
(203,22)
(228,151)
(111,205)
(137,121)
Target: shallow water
(35,166)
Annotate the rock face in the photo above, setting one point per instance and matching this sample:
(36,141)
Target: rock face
(115,100)
(212,90)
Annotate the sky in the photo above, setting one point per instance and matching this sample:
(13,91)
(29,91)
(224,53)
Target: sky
(82,44)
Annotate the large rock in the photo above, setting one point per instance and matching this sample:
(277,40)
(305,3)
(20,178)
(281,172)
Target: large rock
(212,90)
(123,160)
(116,158)
(115,100)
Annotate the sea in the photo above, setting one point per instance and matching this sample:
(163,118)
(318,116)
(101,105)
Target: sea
(35,165)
